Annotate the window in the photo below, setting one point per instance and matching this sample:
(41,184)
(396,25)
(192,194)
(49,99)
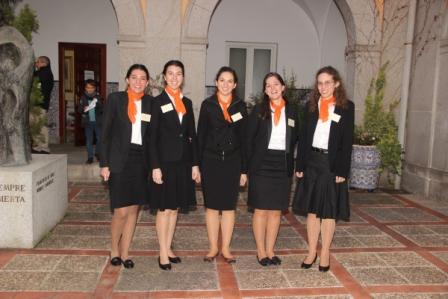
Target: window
(251,61)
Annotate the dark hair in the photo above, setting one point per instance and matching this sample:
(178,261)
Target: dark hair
(227,69)
(137,67)
(339,92)
(90,82)
(177,63)
(265,112)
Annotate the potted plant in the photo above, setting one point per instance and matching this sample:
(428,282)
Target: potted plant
(376,147)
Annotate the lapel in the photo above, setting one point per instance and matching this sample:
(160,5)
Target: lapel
(269,132)
(172,115)
(333,126)
(146,104)
(124,108)
(288,128)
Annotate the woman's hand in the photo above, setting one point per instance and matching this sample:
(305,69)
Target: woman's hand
(196,174)
(105,173)
(157,176)
(299,174)
(339,179)
(243,179)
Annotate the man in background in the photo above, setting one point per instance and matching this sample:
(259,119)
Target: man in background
(43,72)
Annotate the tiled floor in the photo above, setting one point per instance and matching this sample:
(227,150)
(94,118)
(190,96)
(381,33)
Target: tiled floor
(395,246)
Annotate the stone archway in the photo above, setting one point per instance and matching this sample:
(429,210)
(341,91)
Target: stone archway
(362,53)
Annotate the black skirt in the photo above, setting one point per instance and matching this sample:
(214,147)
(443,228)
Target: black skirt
(318,193)
(177,189)
(220,183)
(270,185)
(130,186)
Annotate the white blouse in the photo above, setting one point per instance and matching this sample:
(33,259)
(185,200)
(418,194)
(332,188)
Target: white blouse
(277,140)
(322,132)
(136,136)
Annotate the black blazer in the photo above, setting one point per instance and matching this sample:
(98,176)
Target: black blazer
(117,131)
(219,139)
(172,141)
(339,144)
(259,133)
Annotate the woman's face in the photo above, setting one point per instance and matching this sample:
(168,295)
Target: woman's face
(225,84)
(274,88)
(174,77)
(326,85)
(137,81)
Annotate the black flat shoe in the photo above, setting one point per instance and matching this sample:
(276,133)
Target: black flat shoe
(275,260)
(164,266)
(116,261)
(128,264)
(264,261)
(175,260)
(324,269)
(307,266)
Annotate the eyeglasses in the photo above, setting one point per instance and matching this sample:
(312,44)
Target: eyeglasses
(326,83)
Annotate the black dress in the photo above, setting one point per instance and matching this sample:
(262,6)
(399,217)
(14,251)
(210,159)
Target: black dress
(221,151)
(173,149)
(317,192)
(128,163)
(270,171)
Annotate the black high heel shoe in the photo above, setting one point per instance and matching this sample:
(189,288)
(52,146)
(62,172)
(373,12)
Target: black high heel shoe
(229,260)
(116,261)
(128,264)
(209,259)
(324,269)
(175,260)
(307,266)
(164,266)
(275,260)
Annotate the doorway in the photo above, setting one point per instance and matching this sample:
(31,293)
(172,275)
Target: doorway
(77,63)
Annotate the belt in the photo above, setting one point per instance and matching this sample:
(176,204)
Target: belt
(319,150)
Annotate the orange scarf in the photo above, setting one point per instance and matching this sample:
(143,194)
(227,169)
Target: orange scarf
(132,108)
(224,107)
(323,109)
(180,107)
(277,110)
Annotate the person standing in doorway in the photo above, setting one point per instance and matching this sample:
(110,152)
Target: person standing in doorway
(221,138)
(91,109)
(124,159)
(323,163)
(174,159)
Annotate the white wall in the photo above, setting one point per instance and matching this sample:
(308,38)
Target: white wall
(307,38)
(80,21)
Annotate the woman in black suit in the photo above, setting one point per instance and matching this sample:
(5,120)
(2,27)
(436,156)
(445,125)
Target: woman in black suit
(223,163)
(174,158)
(323,163)
(271,140)
(124,158)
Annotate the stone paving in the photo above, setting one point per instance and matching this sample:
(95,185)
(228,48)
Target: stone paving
(395,246)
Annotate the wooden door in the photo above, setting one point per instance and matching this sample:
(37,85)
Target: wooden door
(78,62)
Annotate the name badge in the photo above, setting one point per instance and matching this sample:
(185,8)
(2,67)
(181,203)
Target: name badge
(146,117)
(236,117)
(291,122)
(167,107)
(335,117)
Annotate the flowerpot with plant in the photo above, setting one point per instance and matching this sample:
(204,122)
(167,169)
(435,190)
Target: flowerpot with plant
(376,147)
